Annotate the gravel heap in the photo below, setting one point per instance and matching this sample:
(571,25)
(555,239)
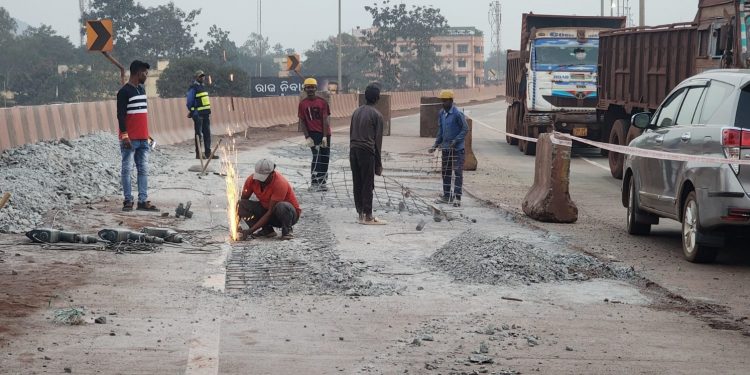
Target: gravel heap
(475,258)
(49,176)
(306,265)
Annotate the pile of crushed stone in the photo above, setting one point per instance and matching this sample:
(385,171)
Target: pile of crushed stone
(476,258)
(306,265)
(49,176)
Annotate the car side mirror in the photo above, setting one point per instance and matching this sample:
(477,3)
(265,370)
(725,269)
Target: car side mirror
(641,120)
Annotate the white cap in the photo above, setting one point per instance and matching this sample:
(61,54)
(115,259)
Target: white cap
(263,168)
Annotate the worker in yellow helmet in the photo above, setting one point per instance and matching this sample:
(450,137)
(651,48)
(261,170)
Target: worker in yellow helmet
(314,113)
(452,129)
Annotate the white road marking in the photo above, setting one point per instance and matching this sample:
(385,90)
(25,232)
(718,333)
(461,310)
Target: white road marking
(596,164)
(203,352)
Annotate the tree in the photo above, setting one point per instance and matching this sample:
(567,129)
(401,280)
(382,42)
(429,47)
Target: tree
(31,63)
(356,61)
(7,27)
(415,28)
(257,57)
(166,33)
(219,48)
(126,14)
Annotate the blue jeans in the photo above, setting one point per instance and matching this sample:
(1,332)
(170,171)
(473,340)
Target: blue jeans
(139,152)
(453,166)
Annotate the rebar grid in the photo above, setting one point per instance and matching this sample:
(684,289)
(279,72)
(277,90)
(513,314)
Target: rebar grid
(407,183)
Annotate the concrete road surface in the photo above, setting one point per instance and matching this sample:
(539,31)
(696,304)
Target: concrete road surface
(480,289)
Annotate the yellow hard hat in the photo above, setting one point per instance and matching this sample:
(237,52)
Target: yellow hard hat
(446,94)
(311,82)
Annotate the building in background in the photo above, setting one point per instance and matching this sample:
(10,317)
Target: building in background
(153,78)
(461,50)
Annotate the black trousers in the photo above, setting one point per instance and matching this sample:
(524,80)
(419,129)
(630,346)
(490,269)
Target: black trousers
(203,131)
(320,159)
(284,215)
(363,178)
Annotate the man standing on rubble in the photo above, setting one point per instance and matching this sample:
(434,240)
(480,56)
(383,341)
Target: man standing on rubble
(452,129)
(199,109)
(366,143)
(313,113)
(132,117)
(276,206)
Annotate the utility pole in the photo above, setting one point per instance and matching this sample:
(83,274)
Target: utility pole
(642,13)
(260,33)
(340,82)
(495,18)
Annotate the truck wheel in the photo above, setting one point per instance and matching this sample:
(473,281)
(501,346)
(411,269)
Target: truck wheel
(634,227)
(521,143)
(691,249)
(617,137)
(511,119)
(530,148)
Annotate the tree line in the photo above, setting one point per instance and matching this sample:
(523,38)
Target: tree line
(30,59)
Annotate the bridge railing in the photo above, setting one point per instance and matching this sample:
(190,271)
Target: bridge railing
(168,122)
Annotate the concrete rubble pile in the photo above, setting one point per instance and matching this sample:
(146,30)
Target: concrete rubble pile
(54,176)
(318,269)
(476,258)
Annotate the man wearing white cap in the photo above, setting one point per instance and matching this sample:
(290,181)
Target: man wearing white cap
(278,204)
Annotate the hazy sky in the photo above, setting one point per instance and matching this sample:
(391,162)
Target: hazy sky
(299,23)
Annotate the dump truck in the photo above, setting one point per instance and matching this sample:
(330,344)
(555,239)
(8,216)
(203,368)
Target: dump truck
(551,82)
(638,67)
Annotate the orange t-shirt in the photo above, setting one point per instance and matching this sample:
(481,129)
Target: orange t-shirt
(279,190)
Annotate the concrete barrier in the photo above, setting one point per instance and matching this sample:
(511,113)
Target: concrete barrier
(549,197)
(168,120)
(429,110)
(384,107)
(470,162)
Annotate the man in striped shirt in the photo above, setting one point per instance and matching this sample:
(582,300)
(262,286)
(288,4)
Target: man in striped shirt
(132,117)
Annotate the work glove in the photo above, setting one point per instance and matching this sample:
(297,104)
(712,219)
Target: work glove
(126,143)
(309,142)
(379,170)
(190,115)
(324,143)
(432,149)
(452,145)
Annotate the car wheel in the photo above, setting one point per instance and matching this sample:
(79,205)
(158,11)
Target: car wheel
(634,227)
(693,250)
(617,137)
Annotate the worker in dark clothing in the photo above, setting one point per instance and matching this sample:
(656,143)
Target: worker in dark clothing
(366,142)
(313,113)
(132,117)
(276,206)
(452,129)
(199,109)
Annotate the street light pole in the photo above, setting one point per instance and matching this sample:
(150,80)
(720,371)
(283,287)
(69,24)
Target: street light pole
(260,33)
(341,84)
(642,13)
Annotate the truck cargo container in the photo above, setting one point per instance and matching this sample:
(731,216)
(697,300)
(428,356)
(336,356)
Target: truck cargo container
(639,66)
